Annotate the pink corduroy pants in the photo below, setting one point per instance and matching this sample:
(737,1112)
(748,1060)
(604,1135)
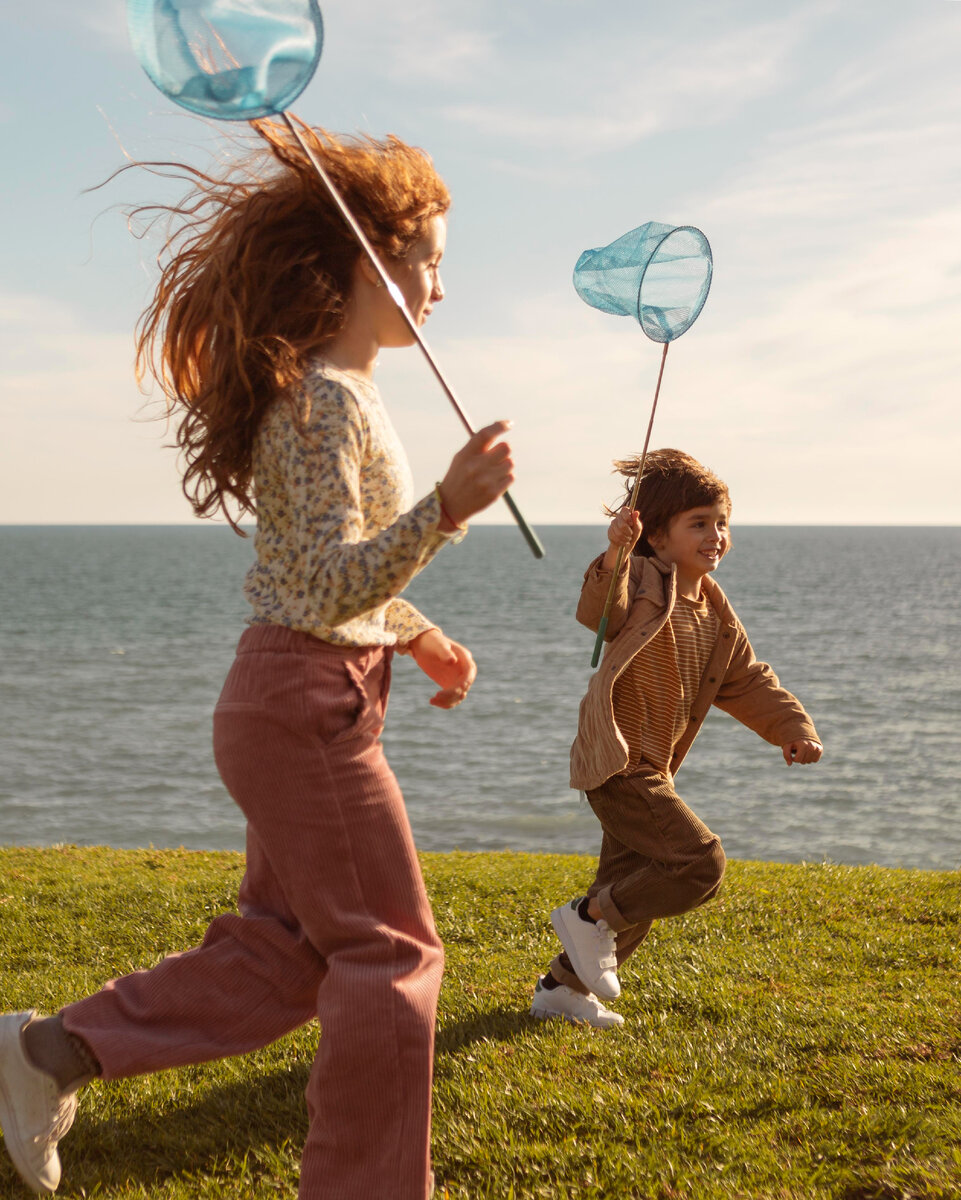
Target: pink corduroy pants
(334,923)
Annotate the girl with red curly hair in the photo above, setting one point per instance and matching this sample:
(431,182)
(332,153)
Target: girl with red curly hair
(264,333)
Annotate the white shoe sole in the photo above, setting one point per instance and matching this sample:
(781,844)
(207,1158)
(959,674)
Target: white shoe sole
(14,1144)
(17,1148)
(542,1015)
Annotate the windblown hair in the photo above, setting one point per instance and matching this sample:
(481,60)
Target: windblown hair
(672,483)
(257,268)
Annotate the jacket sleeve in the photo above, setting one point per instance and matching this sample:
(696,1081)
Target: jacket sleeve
(752,694)
(597,582)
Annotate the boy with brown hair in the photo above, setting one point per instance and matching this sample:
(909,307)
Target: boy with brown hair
(674,648)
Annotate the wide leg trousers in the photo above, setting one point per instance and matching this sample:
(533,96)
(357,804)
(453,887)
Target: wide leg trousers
(334,922)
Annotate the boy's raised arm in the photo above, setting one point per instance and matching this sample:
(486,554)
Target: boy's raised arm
(622,535)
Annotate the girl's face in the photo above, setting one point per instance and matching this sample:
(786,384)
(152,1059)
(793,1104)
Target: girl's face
(418,277)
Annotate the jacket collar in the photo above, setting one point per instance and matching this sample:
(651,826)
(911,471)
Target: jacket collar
(720,602)
(663,576)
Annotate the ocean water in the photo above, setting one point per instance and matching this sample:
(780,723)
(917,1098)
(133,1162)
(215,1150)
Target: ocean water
(114,643)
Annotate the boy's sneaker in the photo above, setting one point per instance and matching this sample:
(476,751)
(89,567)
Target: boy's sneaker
(564,1002)
(591,948)
(34,1113)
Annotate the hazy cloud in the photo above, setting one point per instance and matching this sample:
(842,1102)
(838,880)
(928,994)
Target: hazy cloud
(817,148)
(602,90)
(422,42)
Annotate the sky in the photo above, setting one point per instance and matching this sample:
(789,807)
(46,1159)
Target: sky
(816,144)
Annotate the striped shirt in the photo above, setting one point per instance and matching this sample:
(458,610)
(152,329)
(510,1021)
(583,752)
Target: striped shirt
(671,666)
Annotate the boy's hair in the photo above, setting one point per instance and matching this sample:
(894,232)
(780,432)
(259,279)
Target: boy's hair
(672,483)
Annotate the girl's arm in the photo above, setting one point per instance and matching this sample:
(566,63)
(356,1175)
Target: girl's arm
(315,534)
(406,622)
(447,663)
(345,573)
(450,665)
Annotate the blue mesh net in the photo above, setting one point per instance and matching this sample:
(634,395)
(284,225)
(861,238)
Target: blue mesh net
(659,274)
(235,60)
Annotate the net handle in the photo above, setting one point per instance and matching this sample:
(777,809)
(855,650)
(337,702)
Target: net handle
(602,628)
(395,294)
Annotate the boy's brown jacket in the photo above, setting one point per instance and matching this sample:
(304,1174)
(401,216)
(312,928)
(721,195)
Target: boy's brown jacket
(734,680)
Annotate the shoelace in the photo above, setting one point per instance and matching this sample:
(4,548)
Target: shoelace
(60,1124)
(592,1003)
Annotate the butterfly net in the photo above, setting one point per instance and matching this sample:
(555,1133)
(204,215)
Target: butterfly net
(229,59)
(659,274)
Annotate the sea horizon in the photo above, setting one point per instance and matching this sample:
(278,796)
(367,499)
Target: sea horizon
(115,640)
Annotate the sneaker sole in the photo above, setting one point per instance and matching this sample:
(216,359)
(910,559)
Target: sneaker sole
(571,1020)
(8,1124)
(557,1016)
(597,986)
(14,1145)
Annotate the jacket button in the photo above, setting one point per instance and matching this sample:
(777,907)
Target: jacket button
(712,680)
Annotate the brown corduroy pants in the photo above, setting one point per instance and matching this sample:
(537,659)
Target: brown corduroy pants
(334,922)
(658,859)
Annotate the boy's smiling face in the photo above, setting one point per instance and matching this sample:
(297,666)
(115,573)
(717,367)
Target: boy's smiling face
(696,541)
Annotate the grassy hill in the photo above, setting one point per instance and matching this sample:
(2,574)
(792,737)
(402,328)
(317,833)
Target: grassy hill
(799,1037)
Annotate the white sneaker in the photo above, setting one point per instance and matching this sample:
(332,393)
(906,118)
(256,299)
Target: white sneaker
(564,1002)
(34,1113)
(591,948)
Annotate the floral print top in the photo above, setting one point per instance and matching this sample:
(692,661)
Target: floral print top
(338,536)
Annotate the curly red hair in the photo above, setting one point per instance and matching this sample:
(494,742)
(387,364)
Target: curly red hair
(256,272)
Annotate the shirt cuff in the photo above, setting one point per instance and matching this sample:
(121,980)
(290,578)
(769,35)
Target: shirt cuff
(454,536)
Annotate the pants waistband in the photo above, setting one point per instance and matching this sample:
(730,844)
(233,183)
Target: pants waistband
(279,639)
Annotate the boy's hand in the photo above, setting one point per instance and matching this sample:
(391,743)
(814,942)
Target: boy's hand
(625,529)
(622,533)
(449,664)
(802,751)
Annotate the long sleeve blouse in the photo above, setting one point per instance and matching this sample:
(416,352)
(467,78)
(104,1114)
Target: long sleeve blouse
(338,535)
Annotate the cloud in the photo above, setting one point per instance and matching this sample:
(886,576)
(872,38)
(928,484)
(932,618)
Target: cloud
(827,357)
(855,206)
(837,176)
(421,42)
(104,18)
(76,446)
(51,353)
(108,20)
(816,148)
(811,403)
(613,88)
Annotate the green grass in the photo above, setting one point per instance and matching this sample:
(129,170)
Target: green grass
(800,1037)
